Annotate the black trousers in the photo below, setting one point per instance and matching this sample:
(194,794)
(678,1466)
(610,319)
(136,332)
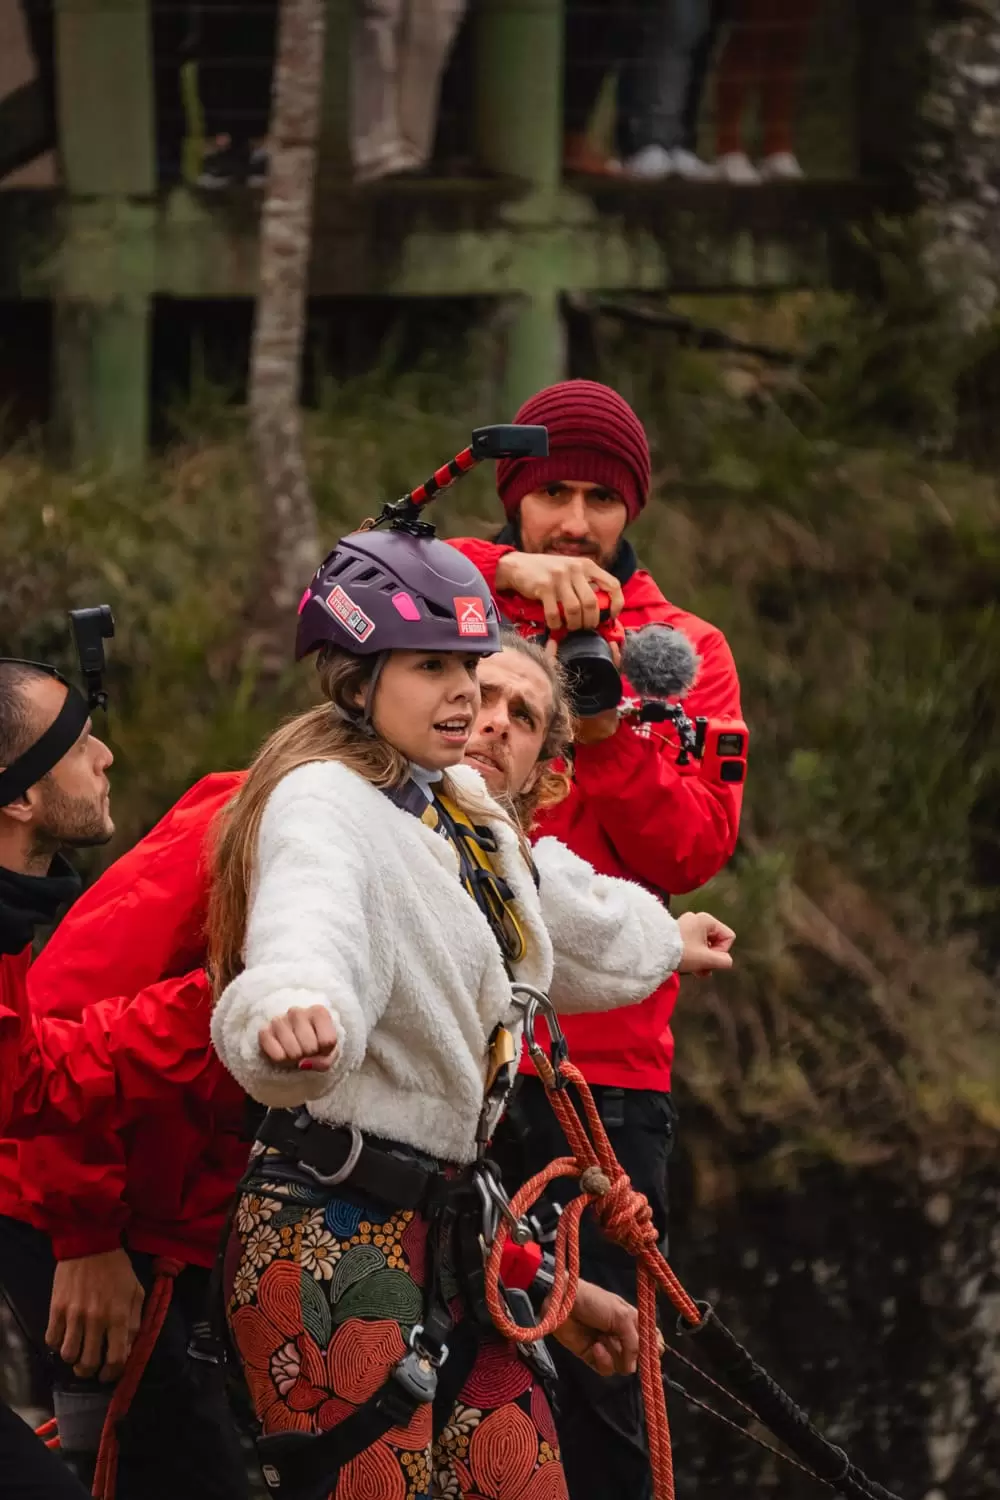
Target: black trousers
(28,1471)
(602,1430)
(178,1438)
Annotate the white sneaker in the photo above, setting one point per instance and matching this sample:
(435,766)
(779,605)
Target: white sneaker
(686,164)
(651,163)
(781,167)
(736,167)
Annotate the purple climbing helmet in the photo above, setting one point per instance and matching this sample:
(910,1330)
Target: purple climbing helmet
(392,591)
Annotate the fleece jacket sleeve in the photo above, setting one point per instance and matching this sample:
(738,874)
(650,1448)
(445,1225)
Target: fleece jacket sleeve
(315,936)
(613,942)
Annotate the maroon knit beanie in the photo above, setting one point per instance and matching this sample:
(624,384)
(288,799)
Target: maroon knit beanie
(594,435)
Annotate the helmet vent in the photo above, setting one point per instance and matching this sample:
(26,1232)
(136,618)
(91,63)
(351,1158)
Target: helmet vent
(437,609)
(366,576)
(338,567)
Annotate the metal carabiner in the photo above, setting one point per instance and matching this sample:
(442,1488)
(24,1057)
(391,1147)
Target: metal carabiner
(332,1179)
(534,1002)
(496,1205)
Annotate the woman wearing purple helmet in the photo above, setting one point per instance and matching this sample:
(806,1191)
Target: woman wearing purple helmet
(367,1001)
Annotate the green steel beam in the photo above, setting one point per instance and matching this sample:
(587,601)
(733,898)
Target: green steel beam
(535,346)
(102,263)
(519,90)
(519,134)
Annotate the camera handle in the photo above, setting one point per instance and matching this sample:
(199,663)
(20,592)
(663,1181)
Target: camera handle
(496,442)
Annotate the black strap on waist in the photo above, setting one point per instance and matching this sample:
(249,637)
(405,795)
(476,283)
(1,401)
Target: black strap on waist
(334,1156)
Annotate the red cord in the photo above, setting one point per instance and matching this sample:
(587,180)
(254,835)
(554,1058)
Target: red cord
(626,1218)
(165,1271)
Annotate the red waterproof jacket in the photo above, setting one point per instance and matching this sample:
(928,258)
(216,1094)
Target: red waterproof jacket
(13,1003)
(633,813)
(121,1060)
(162,1182)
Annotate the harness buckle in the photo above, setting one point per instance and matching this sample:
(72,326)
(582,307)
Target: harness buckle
(415,1376)
(333,1179)
(534,1003)
(420,1347)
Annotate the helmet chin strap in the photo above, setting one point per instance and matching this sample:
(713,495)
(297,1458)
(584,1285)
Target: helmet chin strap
(366,712)
(362,718)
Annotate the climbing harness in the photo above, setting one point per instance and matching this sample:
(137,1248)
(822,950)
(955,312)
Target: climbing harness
(462,1208)
(626,1218)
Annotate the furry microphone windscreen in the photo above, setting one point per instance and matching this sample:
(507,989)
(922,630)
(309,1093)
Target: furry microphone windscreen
(659,662)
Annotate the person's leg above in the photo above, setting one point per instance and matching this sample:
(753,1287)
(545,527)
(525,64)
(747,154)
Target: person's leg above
(376,139)
(425,46)
(653,90)
(738,80)
(786,46)
(592,35)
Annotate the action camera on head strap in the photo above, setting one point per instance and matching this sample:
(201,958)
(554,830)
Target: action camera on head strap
(91,628)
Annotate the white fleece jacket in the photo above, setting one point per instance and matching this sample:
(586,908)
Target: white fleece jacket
(358,906)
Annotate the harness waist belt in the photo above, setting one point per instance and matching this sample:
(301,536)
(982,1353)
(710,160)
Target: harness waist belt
(326,1150)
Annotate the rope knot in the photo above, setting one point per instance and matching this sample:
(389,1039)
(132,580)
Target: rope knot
(595,1182)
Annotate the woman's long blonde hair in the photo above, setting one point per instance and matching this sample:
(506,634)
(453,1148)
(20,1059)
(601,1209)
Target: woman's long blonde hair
(331,731)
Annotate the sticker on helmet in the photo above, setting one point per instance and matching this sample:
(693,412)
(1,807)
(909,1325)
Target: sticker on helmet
(470,612)
(344,609)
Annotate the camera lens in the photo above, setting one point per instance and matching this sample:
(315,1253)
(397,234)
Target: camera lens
(594,682)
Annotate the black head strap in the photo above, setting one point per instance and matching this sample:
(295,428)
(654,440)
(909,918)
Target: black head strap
(61,735)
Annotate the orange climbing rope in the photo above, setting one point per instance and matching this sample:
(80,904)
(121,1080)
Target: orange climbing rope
(165,1272)
(625,1217)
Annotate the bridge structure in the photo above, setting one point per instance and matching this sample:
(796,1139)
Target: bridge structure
(109,240)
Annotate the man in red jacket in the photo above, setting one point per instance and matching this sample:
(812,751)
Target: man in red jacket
(631,812)
(53,791)
(65,1201)
(98,1296)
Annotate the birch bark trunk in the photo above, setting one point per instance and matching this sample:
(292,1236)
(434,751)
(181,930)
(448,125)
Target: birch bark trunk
(289,532)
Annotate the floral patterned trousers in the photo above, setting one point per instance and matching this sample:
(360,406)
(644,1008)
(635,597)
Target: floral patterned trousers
(322,1293)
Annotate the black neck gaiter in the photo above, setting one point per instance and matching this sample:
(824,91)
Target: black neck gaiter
(30,901)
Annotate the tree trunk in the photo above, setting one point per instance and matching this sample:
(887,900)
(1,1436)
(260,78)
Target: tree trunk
(956,171)
(289,531)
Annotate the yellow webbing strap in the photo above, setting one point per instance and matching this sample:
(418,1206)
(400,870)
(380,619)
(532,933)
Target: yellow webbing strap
(489,891)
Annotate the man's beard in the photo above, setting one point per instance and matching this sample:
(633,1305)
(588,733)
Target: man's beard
(75,822)
(578,549)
